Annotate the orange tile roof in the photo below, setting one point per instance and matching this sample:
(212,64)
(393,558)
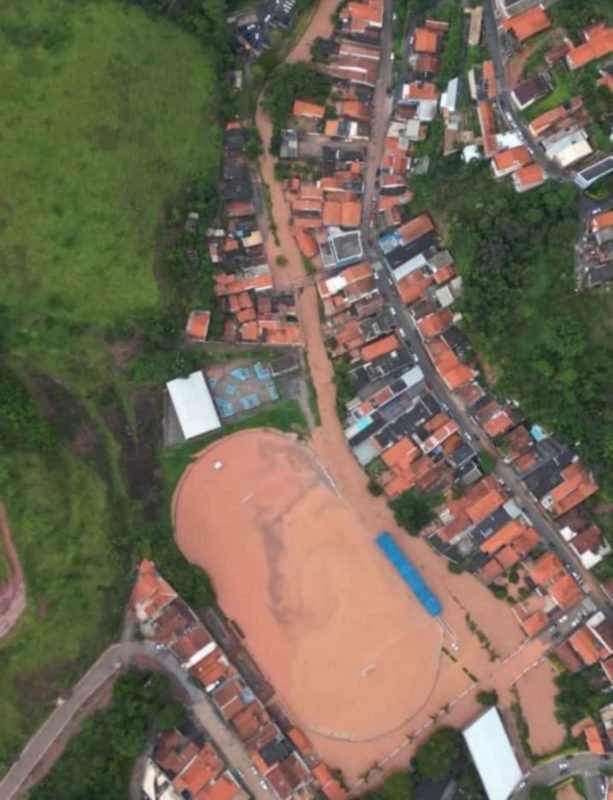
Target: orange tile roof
(330,787)
(350,214)
(444,274)
(528,23)
(530,176)
(598,45)
(331,127)
(402,453)
(151,593)
(333,213)
(449,367)
(497,424)
(245,314)
(303,108)
(420,91)
(527,542)
(198,325)
(565,591)
(490,76)
(546,119)
(308,191)
(486,505)
(426,41)
(488,126)
(435,324)
(203,768)
(379,348)
(535,623)
(603,220)
(250,332)
(574,489)
(354,109)
(306,244)
(586,645)
(301,206)
(507,534)
(490,570)
(413,286)
(593,740)
(223,788)
(512,159)
(546,568)
(507,557)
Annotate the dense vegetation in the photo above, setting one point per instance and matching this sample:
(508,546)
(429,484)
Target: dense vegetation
(397,786)
(86,190)
(575,15)
(515,252)
(99,759)
(414,510)
(580,695)
(437,757)
(288,83)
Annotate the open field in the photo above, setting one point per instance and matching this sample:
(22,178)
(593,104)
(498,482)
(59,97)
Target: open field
(324,614)
(537,693)
(106,112)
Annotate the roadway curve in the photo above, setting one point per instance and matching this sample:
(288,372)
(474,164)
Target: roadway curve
(584,765)
(110,663)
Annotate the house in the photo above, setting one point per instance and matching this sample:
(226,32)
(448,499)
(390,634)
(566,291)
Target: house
(426,41)
(527,24)
(423,96)
(303,108)
(360,17)
(530,90)
(198,323)
(575,487)
(598,44)
(528,177)
(476,22)
(593,171)
(509,161)
(570,149)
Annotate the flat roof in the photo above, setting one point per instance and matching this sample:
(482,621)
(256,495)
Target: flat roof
(493,755)
(193,405)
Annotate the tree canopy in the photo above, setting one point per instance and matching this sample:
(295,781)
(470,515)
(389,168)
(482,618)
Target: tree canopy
(413,511)
(438,756)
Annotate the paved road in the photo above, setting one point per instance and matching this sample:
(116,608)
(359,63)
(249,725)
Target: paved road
(382,103)
(505,104)
(113,659)
(584,765)
(539,519)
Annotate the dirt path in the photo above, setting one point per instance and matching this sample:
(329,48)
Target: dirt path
(13,590)
(537,694)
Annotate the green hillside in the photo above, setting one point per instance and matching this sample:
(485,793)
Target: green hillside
(107,111)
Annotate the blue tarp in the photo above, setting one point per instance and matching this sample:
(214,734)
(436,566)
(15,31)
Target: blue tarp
(409,574)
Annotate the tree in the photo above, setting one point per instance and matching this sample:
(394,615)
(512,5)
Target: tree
(488,461)
(437,757)
(413,511)
(487,698)
(396,786)
(542,793)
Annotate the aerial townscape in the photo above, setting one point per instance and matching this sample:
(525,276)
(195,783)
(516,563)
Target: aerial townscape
(306,400)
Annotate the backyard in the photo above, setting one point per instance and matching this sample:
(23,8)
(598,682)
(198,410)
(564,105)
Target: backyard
(107,111)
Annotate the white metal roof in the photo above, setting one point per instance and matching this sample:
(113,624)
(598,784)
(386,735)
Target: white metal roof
(193,405)
(493,755)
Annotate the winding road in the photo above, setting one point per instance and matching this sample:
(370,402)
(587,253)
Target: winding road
(115,659)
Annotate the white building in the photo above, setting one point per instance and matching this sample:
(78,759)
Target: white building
(493,755)
(192,402)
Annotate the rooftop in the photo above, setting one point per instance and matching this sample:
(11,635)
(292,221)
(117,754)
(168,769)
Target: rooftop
(528,23)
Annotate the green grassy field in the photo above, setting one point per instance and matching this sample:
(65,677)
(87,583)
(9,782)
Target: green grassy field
(106,112)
